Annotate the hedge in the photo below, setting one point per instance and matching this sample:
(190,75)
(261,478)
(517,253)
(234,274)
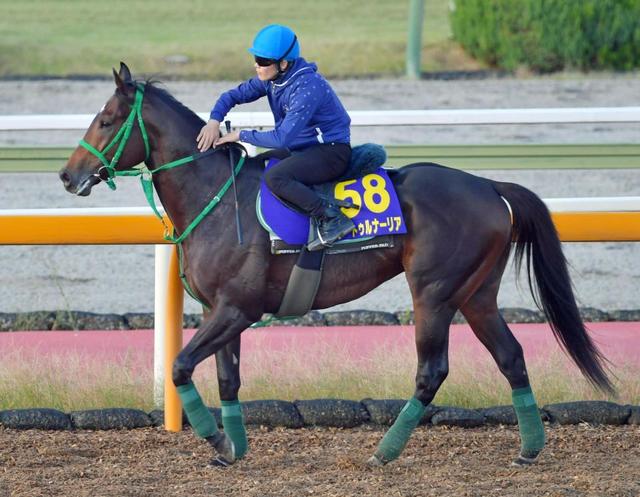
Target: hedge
(550,35)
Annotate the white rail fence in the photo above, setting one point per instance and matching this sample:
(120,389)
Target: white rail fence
(442,117)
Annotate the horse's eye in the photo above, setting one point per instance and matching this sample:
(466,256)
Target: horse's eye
(105,124)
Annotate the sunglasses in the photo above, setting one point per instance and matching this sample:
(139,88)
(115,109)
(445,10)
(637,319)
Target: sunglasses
(263,62)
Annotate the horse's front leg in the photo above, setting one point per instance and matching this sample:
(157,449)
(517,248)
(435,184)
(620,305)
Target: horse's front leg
(219,328)
(228,368)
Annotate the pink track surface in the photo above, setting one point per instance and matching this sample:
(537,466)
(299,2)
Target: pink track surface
(618,341)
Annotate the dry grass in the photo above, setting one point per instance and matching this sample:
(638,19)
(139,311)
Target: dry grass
(70,382)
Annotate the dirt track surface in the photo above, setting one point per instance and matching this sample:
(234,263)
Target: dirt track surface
(578,461)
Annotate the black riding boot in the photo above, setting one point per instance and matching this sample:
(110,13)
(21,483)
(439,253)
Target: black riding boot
(332,225)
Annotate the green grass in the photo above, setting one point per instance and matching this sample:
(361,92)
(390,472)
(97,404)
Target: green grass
(345,37)
(619,156)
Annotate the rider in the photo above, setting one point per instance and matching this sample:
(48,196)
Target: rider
(310,122)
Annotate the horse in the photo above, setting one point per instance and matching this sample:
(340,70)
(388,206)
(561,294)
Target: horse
(461,231)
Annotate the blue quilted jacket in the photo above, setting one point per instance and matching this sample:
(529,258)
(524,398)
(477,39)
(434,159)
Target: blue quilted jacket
(305,108)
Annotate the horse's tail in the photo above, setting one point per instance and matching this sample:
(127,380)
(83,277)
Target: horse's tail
(534,234)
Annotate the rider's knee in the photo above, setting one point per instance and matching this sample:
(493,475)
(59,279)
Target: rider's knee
(275,179)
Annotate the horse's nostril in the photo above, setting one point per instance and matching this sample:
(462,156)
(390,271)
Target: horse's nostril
(64,176)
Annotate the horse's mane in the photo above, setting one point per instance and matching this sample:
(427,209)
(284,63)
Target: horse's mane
(152,86)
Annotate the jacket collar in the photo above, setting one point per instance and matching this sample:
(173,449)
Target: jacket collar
(299,66)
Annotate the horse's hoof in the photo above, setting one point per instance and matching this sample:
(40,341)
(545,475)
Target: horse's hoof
(523,462)
(375,462)
(219,462)
(224,447)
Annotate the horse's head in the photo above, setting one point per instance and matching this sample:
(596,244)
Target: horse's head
(116,139)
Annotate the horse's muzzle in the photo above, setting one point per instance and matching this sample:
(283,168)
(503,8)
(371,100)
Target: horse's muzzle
(72,185)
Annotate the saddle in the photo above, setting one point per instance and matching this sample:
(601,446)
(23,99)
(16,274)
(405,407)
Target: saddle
(364,191)
(366,194)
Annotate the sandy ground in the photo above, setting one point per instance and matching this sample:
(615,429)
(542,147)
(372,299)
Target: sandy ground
(579,461)
(120,279)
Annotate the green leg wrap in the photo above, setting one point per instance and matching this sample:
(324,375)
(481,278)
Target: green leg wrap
(233,423)
(529,421)
(395,440)
(201,420)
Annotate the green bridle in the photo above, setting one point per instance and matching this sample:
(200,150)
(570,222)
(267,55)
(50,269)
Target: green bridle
(108,172)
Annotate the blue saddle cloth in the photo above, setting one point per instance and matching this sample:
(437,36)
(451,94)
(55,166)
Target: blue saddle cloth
(365,183)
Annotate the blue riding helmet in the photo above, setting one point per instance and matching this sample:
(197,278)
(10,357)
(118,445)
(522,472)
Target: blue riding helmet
(276,42)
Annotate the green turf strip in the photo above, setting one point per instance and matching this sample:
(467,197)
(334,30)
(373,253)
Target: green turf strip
(471,157)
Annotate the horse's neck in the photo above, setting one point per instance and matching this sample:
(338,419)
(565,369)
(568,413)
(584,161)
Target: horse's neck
(186,189)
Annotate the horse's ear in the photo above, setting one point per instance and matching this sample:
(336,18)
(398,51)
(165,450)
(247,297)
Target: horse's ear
(120,84)
(125,74)
(124,82)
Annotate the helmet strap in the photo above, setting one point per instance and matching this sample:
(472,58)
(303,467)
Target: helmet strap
(282,57)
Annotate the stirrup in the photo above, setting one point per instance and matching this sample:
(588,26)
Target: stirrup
(319,242)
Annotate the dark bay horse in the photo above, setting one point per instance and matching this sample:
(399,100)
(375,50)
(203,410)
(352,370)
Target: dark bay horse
(461,229)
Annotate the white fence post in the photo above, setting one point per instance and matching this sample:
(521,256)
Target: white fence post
(162,259)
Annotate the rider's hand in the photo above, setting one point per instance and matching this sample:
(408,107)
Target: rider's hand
(233,136)
(209,133)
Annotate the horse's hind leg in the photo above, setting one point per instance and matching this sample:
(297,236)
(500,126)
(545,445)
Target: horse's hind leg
(432,342)
(481,312)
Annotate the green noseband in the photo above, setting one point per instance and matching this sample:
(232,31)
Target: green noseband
(108,171)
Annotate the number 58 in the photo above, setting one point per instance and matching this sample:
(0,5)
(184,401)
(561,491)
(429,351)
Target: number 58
(376,197)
